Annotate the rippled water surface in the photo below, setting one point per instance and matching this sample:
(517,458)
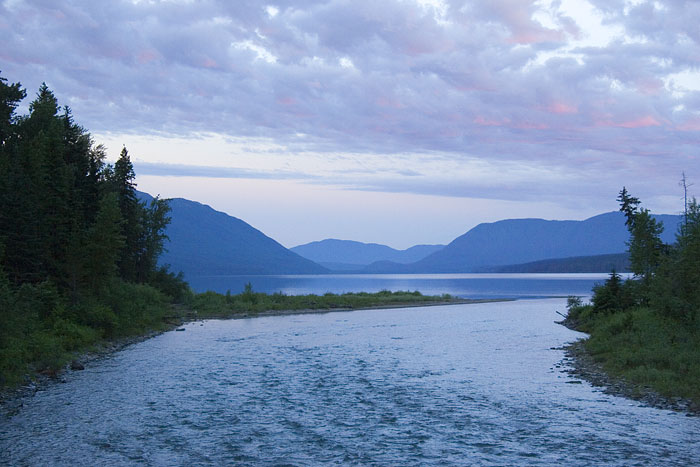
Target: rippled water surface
(450,385)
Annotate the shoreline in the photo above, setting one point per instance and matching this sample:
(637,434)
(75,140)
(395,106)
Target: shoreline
(310,311)
(578,361)
(12,400)
(581,365)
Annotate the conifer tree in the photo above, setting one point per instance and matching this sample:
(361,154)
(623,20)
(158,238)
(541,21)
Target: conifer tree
(125,189)
(645,246)
(10,96)
(105,243)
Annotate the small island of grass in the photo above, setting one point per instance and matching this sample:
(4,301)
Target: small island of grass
(250,303)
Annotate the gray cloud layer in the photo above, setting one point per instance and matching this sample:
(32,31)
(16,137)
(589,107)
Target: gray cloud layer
(470,79)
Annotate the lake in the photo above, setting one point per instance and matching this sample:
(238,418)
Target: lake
(479,384)
(460,285)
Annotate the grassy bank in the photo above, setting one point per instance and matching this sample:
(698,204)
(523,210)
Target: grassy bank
(214,305)
(644,348)
(42,332)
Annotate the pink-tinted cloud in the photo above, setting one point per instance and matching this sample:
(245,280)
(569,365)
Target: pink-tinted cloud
(147,56)
(692,124)
(483,80)
(560,107)
(641,122)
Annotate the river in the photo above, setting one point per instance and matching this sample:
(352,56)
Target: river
(479,384)
(459,285)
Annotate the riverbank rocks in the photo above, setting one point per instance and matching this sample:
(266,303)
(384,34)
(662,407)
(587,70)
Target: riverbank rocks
(75,365)
(581,365)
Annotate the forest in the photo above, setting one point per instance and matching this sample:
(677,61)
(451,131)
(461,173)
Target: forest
(78,250)
(647,329)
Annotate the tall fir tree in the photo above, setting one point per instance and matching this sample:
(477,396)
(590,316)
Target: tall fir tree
(132,227)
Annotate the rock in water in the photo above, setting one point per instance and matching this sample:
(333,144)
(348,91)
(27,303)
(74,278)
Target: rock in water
(75,365)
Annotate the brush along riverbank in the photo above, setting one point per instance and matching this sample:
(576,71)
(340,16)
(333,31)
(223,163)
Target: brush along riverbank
(248,304)
(637,354)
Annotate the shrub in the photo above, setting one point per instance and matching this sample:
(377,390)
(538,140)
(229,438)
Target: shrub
(171,284)
(615,294)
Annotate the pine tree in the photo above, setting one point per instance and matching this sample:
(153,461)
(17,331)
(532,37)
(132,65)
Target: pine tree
(645,246)
(105,243)
(10,96)
(132,227)
(154,221)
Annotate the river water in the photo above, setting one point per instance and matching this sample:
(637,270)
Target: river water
(473,384)
(460,285)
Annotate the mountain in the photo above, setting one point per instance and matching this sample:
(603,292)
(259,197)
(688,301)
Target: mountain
(517,241)
(579,264)
(344,255)
(208,242)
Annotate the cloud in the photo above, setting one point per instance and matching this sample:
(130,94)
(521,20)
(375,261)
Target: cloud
(511,82)
(206,171)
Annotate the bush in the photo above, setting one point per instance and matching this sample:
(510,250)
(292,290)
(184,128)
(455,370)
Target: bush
(137,307)
(648,349)
(73,336)
(46,351)
(171,284)
(615,294)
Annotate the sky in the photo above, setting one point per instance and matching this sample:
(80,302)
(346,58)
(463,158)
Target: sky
(399,122)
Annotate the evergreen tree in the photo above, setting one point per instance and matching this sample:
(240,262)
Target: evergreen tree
(105,243)
(10,96)
(676,289)
(122,181)
(645,246)
(628,205)
(69,224)
(20,210)
(154,221)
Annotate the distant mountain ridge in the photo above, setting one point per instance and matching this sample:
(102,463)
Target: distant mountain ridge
(203,241)
(351,255)
(579,264)
(519,241)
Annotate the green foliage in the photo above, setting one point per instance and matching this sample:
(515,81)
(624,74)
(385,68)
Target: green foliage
(171,284)
(10,96)
(105,243)
(658,345)
(137,307)
(578,314)
(676,288)
(211,304)
(573,302)
(645,247)
(154,219)
(614,295)
(628,205)
(649,350)
(73,238)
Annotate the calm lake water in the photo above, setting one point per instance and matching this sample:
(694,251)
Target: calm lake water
(461,285)
(478,384)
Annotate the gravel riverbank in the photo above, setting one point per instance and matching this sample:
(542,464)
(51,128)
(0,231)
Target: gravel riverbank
(581,364)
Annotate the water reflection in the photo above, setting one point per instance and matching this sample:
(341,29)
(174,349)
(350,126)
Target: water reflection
(461,285)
